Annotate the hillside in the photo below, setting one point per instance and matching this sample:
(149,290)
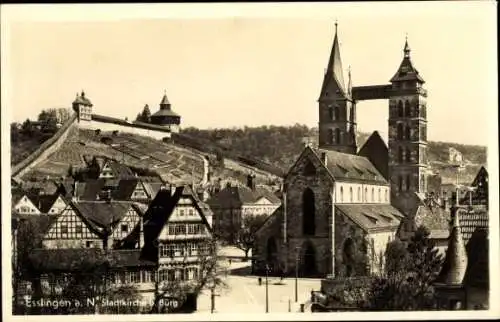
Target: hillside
(145,155)
(280,145)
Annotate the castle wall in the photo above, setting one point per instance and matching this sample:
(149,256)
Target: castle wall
(44,150)
(104,126)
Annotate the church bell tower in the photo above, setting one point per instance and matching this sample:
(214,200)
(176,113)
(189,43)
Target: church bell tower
(337,109)
(407,129)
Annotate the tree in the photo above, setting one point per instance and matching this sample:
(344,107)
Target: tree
(48,120)
(63,114)
(27,128)
(145,115)
(396,257)
(14,132)
(407,284)
(246,233)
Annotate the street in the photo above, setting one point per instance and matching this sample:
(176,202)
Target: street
(245,295)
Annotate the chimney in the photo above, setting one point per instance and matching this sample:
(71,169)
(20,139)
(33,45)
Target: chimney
(251,181)
(141,233)
(324,158)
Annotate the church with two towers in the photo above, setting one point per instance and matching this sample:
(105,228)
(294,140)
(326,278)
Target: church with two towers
(342,205)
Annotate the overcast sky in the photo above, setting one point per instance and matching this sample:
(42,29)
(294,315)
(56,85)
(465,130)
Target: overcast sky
(225,66)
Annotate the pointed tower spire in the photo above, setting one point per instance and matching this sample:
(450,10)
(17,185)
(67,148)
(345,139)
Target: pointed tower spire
(334,68)
(407,49)
(164,104)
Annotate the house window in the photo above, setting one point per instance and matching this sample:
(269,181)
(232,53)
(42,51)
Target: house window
(145,276)
(124,228)
(133,277)
(407,108)
(171,229)
(64,228)
(337,113)
(337,136)
(190,212)
(331,114)
(400,131)
(401,109)
(89,244)
(78,228)
(181,212)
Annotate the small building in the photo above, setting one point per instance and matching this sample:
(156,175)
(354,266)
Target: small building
(235,202)
(166,116)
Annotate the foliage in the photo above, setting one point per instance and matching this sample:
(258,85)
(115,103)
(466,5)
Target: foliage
(246,233)
(407,284)
(144,116)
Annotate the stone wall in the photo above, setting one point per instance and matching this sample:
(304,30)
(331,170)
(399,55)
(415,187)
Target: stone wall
(297,181)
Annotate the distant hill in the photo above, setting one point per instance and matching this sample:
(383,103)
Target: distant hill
(280,145)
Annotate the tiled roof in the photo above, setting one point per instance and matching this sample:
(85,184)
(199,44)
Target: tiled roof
(346,166)
(89,189)
(406,71)
(103,213)
(237,196)
(129,258)
(377,152)
(372,216)
(125,189)
(120,170)
(471,220)
(165,112)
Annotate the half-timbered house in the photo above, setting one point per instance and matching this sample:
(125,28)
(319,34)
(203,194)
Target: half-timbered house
(93,225)
(177,234)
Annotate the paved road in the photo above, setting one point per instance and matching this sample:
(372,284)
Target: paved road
(244,295)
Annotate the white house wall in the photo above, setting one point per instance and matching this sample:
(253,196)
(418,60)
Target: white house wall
(109,127)
(361,193)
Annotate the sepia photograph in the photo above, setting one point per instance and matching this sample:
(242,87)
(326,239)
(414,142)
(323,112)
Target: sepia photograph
(252,161)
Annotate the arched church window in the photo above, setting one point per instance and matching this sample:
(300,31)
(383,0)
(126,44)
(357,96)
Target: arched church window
(373,195)
(337,112)
(400,131)
(407,108)
(331,113)
(308,213)
(408,182)
(408,155)
(359,194)
(400,154)
(379,195)
(331,135)
(408,132)
(348,255)
(386,195)
(337,136)
(400,183)
(365,197)
(350,195)
(416,110)
(341,198)
(401,109)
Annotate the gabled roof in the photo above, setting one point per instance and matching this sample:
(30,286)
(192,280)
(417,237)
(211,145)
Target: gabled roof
(125,189)
(344,166)
(120,170)
(159,212)
(406,70)
(276,216)
(372,217)
(237,196)
(377,152)
(43,202)
(102,213)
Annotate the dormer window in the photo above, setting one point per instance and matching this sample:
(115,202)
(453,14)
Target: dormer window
(124,228)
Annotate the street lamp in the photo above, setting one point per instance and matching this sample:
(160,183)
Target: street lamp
(297,252)
(267,291)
